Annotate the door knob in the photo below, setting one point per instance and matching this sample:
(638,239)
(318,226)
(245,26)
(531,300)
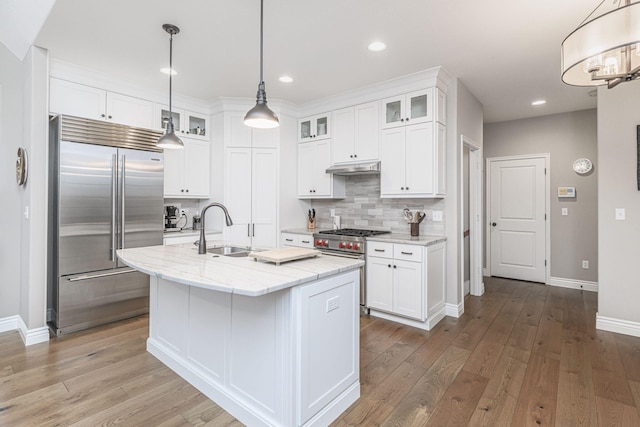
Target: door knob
(493,224)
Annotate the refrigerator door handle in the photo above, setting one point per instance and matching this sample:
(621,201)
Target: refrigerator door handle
(95,276)
(114,208)
(122,199)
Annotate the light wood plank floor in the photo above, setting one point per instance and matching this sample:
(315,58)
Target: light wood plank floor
(522,354)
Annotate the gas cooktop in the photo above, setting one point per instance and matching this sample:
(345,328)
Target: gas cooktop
(356,232)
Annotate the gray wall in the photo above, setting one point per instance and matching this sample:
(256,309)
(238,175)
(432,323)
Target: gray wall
(11,95)
(618,116)
(566,137)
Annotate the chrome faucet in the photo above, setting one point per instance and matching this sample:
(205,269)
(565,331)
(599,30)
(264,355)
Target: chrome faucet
(202,243)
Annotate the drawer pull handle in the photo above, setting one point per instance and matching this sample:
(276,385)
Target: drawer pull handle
(406,253)
(289,240)
(306,241)
(380,250)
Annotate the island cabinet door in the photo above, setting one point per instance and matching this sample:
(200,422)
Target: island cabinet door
(328,342)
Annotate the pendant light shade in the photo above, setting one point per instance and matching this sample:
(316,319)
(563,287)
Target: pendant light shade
(604,50)
(261,116)
(170,140)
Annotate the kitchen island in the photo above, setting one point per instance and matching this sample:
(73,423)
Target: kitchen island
(272,345)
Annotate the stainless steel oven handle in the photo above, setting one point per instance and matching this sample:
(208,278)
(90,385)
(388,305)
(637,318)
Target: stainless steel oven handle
(343,255)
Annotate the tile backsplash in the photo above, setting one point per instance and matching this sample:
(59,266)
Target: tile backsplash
(362,207)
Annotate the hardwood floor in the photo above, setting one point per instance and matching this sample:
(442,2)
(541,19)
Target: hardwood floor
(522,354)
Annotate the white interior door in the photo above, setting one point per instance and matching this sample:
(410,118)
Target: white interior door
(517,218)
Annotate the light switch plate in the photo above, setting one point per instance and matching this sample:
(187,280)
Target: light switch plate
(620,214)
(437,215)
(565,211)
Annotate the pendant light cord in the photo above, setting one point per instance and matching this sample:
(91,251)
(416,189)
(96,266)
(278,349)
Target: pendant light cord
(261,33)
(170,75)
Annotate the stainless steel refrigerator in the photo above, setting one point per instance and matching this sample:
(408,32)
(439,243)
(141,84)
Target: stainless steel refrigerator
(106,193)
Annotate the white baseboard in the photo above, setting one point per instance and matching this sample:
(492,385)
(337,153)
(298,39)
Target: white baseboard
(32,336)
(454,310)
(9,323)
(617,325)
(29,336)
(573,284)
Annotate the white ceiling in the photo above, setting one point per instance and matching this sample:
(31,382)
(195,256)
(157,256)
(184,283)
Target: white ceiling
(506,52)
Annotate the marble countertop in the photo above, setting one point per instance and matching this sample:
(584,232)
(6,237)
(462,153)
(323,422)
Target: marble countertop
(243,275)
(188,232)
(299,231)
(408,239)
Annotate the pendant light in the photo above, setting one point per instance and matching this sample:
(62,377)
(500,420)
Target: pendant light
(261,115)
(604,50)
(170,139)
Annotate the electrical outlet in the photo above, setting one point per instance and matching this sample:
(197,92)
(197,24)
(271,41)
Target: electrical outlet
(565,211)
(620,214)
(183,211)
(437,215)
(332,212)
(585,264)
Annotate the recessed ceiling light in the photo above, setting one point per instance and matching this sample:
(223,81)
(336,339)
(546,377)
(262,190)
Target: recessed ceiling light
(377,47)
(167,70)
(539,102)
(286,79)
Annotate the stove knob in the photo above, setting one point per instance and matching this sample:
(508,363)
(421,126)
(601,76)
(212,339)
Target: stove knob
(317,243)
(356,246)
(325,243)
(349,245)
(341,245)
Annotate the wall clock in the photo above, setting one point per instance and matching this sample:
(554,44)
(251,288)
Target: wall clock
(21,167)
(582,166)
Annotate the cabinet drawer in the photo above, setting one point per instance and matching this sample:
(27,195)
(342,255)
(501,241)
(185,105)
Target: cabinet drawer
(380,249)
(408,252)
(298,240)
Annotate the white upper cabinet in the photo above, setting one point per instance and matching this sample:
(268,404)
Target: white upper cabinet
(314,128)
(313,182)
(186,171)
(413,161)
(186,123)
(241,135)
(355,134)
(79,100)
(411,108)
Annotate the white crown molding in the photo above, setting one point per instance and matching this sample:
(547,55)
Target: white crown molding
(432,77)
(617,325)
(573,284)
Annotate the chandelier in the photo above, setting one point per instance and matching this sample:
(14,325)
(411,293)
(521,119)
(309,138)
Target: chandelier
(604,50)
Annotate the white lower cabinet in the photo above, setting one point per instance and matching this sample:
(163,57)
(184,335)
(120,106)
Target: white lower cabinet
(296,240)
(400,281)
(186,171)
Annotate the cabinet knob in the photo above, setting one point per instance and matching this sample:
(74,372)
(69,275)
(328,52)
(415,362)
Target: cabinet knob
(351,156)
(389,265)
(402,188)
(407,119)
(187,190)
(406,188)
(110,117)
(402,120)
(493,224)
(355,155)
(182,190)
(102,115)
(395,266)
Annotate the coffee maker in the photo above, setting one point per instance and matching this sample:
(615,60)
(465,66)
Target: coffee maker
(171,216)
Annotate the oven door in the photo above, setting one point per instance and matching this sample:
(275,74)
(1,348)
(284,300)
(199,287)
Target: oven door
(363,287)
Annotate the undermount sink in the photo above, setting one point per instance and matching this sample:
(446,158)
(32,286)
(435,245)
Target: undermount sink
(236,251)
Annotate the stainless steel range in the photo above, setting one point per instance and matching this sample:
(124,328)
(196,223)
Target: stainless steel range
(347,242)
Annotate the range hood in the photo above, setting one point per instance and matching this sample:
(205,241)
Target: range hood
(355,168)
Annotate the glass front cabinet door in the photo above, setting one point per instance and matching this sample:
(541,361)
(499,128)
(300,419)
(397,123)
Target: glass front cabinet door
(314,128)
(411,108)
